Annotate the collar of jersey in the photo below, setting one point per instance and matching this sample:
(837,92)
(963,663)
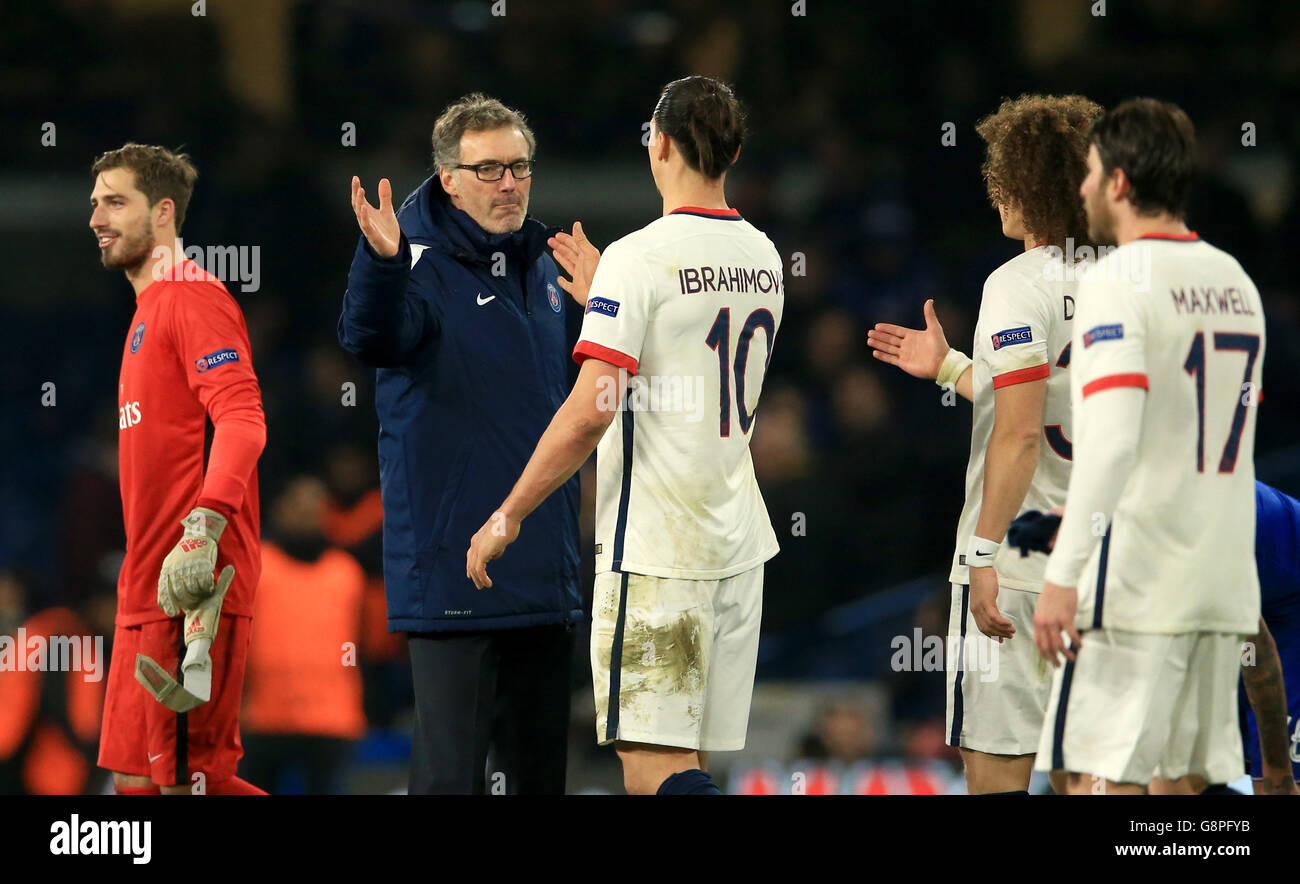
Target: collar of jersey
(1189,236)
(178,273)
(726,214)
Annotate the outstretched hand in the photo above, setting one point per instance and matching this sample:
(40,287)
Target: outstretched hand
(577,257)
(919,352)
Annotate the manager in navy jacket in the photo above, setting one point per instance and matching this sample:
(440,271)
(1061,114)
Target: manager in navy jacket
(456,302)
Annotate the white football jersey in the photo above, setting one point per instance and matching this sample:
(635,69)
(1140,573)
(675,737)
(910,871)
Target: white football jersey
(1180,552)
(1022,334)
(689,305)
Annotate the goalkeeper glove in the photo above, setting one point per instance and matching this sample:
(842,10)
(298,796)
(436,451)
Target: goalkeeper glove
(186,576)
(196,669)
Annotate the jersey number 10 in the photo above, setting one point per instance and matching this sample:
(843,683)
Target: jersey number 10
(1195,366)
(719,339)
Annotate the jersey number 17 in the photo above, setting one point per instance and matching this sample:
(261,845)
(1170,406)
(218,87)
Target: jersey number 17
(1195,366)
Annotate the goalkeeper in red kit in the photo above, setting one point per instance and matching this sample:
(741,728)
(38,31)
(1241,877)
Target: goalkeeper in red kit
(171,710)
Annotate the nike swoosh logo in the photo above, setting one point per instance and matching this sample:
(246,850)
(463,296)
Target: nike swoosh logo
(153,758)
(980,552)
(482,300)
(416,252)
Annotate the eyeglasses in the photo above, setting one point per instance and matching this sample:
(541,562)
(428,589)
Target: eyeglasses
(496,171)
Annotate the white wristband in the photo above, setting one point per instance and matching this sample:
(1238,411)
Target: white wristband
(954,365)
(980,553)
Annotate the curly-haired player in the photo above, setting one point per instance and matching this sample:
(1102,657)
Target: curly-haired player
(997,684)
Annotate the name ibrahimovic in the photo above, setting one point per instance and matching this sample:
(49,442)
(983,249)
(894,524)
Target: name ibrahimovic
(736,280)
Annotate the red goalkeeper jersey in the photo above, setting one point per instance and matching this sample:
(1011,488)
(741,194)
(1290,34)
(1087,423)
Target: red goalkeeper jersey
(186,360)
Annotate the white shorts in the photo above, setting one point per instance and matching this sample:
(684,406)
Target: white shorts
(1133,702)
(674,659)
(997,693)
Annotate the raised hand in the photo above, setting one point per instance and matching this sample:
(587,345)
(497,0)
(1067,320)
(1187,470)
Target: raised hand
(919,352)
(578,258)
(379,225)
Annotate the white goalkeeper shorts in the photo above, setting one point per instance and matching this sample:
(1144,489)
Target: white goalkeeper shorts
(1132,703)
(997,692)
(672,660)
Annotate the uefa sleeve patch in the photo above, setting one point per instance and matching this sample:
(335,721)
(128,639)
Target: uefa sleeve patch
(212,360)
(602,305)
(1103,333)
(1012,336)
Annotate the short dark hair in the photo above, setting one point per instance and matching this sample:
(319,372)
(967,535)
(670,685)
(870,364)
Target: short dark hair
(1037,158)
(1155,144)
(475,112)
(704,117)
(159,173)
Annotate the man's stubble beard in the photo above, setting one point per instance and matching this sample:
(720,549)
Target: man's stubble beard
(509,225)
(506,227)
(132,252)
(1101,225)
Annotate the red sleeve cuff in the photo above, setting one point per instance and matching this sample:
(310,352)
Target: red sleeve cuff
(1021,376)
(217,506)
(1135,379)
(587,350)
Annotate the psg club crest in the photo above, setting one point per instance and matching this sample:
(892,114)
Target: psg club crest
(554,297)
(137,338)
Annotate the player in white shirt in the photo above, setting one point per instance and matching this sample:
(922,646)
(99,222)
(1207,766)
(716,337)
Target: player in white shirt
(680,322)
(1020,451)
(1153,574)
